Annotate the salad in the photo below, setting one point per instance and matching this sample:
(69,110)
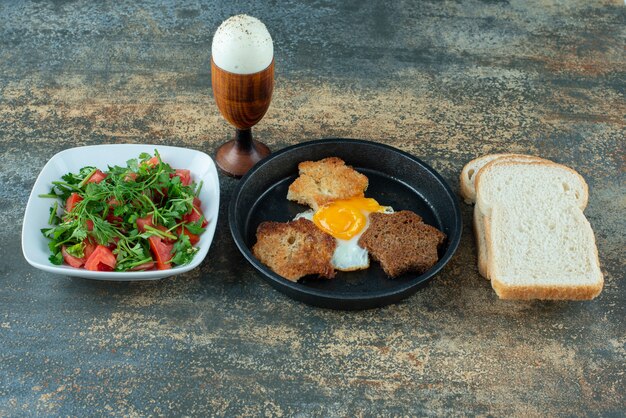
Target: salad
(143,216)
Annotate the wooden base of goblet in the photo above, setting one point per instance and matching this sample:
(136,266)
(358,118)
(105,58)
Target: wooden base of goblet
(237,156)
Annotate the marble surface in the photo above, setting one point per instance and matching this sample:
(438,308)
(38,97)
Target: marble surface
(445,81)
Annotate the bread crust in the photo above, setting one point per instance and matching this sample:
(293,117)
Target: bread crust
(326,180)
(587,292)
(295,249)
(467,182)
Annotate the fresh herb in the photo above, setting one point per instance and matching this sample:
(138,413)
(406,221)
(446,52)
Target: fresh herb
(183,251)
(107,212)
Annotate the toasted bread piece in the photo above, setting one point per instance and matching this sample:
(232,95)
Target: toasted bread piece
(295,249)
(323,181)
(401,242)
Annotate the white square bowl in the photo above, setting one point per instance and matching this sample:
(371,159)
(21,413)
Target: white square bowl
(35,245)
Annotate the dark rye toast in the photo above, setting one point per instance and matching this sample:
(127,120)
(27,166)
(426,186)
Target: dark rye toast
(295,249)
(401,242)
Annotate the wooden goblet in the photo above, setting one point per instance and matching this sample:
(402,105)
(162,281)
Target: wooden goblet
(242,99)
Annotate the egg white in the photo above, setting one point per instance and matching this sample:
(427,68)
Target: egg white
(242,45)
(348,255)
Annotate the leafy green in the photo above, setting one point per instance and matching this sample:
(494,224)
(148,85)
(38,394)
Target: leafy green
(183,251)
(76,250)
(56,258)
(195,227)
(108,211)
(54,218)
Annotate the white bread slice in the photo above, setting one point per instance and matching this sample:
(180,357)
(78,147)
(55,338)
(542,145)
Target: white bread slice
(539,243)
(470,170)
(577,184)
(479,229)
(468,189)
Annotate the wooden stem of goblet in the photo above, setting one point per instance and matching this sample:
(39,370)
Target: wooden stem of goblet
(239,155)
(244,138)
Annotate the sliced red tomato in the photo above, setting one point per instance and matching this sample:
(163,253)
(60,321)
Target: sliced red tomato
(75,261)
(162,252)
(89,224)
(112,219)
(70,259)
(195,215)
(90,247)
(113,245)
(185,176)
(153,161)
(72,201)
(193,238)
(147,221)
(143,222)
(166,240)
(102,259)
(144,266)
(97,177)
(130,176)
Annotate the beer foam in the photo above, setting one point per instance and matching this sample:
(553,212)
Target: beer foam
(242,45)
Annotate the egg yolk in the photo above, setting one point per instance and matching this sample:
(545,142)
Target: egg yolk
(344,219)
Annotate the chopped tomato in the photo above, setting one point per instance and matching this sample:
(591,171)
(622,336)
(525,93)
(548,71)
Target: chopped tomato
(112,219)
(193,238)
(102,259)
(97,177)
(89,224)
(162,252)
(113,202)
(143,222)
(130,176)
(195,215)
(72,201)
(144,266)
(153,161)
(113,245)
(76,261)
(165,240)
(197,202)
(90,247)
(70,259)
(147,221)
(185,176)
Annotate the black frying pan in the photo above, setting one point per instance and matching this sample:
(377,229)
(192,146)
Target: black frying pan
(396,179)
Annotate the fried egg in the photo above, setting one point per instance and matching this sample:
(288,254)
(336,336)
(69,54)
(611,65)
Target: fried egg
(346,220)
